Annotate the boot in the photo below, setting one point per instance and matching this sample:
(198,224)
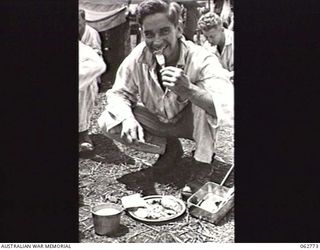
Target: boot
(173,153)
(86,147)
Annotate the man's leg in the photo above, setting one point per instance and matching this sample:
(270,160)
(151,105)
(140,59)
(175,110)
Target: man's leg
(86,104)
(161,138)
(194,125)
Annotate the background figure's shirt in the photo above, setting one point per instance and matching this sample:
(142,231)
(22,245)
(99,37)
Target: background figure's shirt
(91,38)
(226,56)
(90,66)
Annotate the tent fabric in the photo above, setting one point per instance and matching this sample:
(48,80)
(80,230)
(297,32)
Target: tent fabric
(104,17)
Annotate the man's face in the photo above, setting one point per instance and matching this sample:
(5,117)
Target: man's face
(213,35)
(159,32)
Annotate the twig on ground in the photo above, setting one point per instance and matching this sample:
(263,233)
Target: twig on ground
(185,241)
(88,228)
(169,228)
(219,159)
(83,224)
(188,217)
(90,192)
(86,184)
(84,209)
(204,229)
(176,238)
(207,235)
(84,219)
(135,235)
(96,167)
(158,231)
(204,235)
(142,161)
(184,232)
(125,165)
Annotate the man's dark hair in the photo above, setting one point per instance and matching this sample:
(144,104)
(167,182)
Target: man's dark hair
(150,7)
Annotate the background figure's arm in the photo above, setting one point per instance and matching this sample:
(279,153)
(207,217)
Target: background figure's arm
(91,66)
(91,38)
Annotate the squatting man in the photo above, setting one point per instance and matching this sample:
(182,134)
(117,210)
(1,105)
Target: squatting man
(154,105)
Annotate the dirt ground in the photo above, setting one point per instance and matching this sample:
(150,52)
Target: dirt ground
(116,171)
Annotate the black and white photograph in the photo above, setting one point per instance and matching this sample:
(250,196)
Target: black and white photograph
(156,121)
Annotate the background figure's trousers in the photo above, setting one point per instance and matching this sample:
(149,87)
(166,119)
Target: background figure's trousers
(86,104)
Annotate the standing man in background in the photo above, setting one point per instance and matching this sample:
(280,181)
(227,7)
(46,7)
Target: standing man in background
(91,66)
(90,36)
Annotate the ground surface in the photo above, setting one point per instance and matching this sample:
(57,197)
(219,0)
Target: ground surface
(117,171)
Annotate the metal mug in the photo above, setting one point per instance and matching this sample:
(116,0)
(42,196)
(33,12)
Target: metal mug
(106,218)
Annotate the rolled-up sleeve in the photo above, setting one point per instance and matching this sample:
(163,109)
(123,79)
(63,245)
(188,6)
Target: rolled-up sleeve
(122,96)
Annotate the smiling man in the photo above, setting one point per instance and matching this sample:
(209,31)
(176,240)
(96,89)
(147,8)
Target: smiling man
(150,106)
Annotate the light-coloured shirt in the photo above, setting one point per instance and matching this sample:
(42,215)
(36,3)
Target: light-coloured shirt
(226,57)
(91,65)
(137,80)
(91,38)
(137,77)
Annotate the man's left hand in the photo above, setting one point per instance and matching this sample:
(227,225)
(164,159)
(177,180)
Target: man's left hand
(174,79)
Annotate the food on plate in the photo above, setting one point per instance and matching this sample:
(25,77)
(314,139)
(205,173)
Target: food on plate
(169,203)
(160,208)
(142,212)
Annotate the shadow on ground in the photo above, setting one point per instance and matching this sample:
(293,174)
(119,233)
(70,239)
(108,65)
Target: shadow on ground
(107,152)
(123,230)
(185,172)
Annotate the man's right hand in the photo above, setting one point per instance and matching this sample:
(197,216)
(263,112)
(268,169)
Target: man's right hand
(132,131)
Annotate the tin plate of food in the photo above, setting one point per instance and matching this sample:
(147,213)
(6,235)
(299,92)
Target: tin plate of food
(159,208)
